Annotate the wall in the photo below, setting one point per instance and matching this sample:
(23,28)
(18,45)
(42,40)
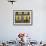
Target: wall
(37,31)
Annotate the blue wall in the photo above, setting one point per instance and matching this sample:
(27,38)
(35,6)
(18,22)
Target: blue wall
(37,31)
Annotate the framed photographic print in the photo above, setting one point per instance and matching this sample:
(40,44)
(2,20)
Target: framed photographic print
(22,17)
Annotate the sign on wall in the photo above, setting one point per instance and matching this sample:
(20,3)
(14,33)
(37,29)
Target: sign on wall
(22,17)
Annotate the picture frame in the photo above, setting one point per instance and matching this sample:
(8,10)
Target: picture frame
(22,17)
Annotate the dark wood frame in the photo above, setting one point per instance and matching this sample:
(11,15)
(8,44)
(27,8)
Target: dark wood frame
(23,23)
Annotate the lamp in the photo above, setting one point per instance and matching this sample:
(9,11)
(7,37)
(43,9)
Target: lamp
(12,1)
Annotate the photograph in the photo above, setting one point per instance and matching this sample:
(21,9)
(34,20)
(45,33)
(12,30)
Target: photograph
(22,17)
